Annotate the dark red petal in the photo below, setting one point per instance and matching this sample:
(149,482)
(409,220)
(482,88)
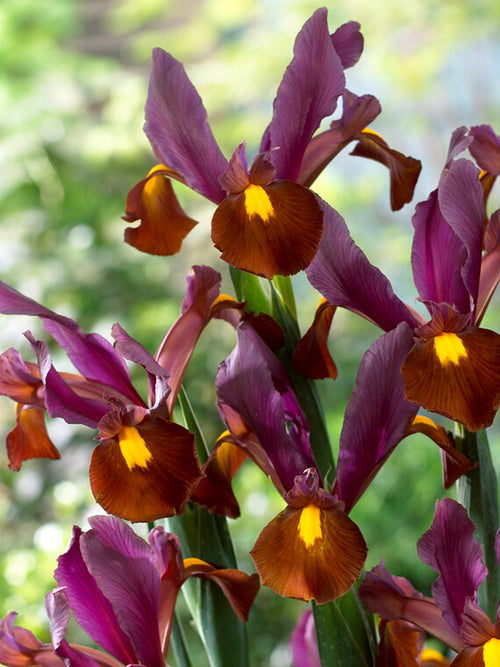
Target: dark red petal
(312,357)
(164,224)
(404,170)
(147,475)
(456,375)
(214,491)
(310,553)
(29,438)
(400,644)
(269,230)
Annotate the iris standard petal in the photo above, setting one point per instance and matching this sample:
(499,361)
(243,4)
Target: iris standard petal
(91,608)
(450,549)
(485,148)
(269,229)
(311,356)
(404,170)
(457,374)
(377,415)
(308,92)
(348,43)
(311,550)
(341,272)
(164,225)
(178,129)
(143,469)
(125,570)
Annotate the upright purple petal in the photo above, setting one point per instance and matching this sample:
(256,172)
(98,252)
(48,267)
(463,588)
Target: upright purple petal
(485,148)
(345,277)
(377,414)
(303,642)
(348,42)
(178,129)
(308,92)
(125,569)
(92,610)
(450,549)
(254,393)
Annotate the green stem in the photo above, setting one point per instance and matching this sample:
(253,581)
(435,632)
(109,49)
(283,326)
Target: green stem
(478,492)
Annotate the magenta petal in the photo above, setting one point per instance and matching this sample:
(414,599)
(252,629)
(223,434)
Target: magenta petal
(125,569)
(461,202)
(308,92)
(450,549)
(345,277)
(178,129)
(303,642)
(255,394)
(348,43)
(377,414)
(485,147)
(92,610)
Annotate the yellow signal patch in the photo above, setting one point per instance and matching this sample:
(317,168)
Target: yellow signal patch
(449,348)
(310,525)
(133,448)
(257,202)
(491,652)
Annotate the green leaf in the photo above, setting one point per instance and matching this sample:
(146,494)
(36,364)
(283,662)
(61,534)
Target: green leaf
(345,632)
(252,289)
(191,423)
(178,645)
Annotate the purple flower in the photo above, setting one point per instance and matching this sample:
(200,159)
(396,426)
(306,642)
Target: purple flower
(452,614)
(266,220)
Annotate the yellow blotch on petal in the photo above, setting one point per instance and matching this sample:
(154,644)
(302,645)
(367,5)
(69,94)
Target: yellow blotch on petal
(491,652)
(449,348)
(310,525)
(133,448)
(257,202)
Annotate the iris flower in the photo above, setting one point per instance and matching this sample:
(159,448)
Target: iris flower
(122,591)
(267,221)
(452,365)
(145,465)
(452,614)
(312,549)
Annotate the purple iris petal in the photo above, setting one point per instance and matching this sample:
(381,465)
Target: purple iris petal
(124,568)
(436,255)
(303,643)
(449,548)
(377,414)
(347,41)
(91,354)
(252,383)
(177,127)
(92,609)
(485,147)
(461,202)
(308,92)
(345,277)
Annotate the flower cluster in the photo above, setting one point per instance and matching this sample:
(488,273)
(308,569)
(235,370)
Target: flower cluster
(268,224)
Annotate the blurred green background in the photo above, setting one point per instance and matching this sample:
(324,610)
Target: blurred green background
(72,89)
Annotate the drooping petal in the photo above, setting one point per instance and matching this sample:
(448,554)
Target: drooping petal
(377,415)
(341,272)
(91,608)
(455,464)
(485,148)
(357,113)
(476,628)
(214,490)
(311,356)
(400,644)
(455,373)
(348,42)
(450,549)
(20,648)
(259,407)
(395,598)
(239,587)
(125,569)
(164,225)
(176,349)
(20,380)
(404,170)
(308,92)
(303,642)
(143,469)
(311,550)
(268,230)
(461,202)
(178,129)
(29,438)
(490,266)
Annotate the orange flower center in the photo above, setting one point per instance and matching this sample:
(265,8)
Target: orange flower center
(310,525)
(257,202)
